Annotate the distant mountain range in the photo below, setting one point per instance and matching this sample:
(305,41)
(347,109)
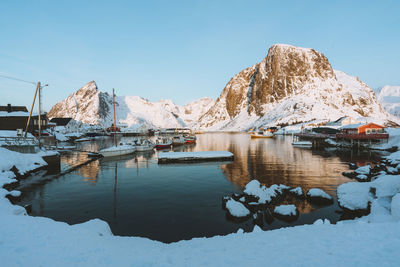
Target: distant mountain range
(290,85)
(90,105)
(389,97)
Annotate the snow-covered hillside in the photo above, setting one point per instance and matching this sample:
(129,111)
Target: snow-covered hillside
(91,106)
(291,85)
(389,97)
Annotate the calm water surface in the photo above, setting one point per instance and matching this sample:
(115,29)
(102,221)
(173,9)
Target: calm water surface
(171,202)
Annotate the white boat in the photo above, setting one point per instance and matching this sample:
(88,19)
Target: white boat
(84,139)
(162,143)
(117,150)
(296,142)
(302,143)
(178,140)
(144,145)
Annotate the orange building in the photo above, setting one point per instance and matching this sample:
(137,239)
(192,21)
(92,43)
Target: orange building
(363,131)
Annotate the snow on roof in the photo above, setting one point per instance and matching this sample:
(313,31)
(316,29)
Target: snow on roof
(352,126)
(18,114)
(10,133)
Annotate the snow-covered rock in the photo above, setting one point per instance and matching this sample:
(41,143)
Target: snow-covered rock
(263,194)
(286,212)
(319,196)
(362,177)
(298,192)
(386,185)
(15,193)
(354,196)
(363,170)
(236,209)
(291,85)
(23,162)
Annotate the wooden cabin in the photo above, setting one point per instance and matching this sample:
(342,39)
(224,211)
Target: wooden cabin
(16,117)
(369,131)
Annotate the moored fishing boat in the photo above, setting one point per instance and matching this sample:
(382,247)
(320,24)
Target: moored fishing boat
(117,150)
(144,145)
(264,134)
(302,144)
(178,140)
(190,139)
(162,143)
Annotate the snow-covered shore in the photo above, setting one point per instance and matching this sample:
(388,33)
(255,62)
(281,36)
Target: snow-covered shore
(38,241)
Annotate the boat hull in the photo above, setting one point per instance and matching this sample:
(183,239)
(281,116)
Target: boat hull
(302,144)
(261,136)
(115,153)
(144,148)
(162,146)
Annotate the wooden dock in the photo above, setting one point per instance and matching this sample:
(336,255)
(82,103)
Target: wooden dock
(176,157)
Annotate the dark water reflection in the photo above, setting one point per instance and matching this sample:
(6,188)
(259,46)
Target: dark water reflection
(170,202)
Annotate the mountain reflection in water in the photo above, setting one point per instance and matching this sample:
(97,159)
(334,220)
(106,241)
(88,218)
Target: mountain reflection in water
(171,202)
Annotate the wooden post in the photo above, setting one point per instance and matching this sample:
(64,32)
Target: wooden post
(115,127)
(40,121)
(30,113)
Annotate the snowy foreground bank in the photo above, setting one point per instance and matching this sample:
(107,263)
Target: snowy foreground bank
(38,241)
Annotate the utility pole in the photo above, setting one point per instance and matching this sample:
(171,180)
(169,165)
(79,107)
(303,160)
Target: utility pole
(40,121)
(30,113)
(38,90)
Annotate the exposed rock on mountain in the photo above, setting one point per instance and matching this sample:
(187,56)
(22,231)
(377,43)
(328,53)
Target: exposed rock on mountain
(289,86)
(389,97)
(87,105)
(91,106)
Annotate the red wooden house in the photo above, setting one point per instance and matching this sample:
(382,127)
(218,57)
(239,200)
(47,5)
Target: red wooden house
(369,131)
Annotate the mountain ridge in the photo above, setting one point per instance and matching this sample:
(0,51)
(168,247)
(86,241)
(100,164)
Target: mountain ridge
(290,85)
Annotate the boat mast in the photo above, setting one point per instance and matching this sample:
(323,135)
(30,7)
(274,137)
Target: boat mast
(115,127)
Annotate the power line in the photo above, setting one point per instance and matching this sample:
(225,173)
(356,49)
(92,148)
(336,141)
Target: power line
(16,79)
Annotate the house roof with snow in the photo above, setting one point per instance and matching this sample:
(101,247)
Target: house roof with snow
(352,126)
(61,121)
(356,126)
(9,108)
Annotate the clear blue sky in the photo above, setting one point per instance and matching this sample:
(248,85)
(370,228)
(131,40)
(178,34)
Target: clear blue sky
(183,50)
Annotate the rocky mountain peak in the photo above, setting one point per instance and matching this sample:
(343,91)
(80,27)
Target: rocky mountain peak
(290,85)
(88,89)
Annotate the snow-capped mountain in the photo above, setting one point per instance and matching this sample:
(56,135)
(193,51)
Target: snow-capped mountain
(89,105)
(289,86)
(389,97)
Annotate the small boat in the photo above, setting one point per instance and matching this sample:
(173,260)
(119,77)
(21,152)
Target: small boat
(84,139)
(144,145)
(117,150)
(162,143)
(178,140)
(302,143)
(298,143)
(190,140)
(264,134)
